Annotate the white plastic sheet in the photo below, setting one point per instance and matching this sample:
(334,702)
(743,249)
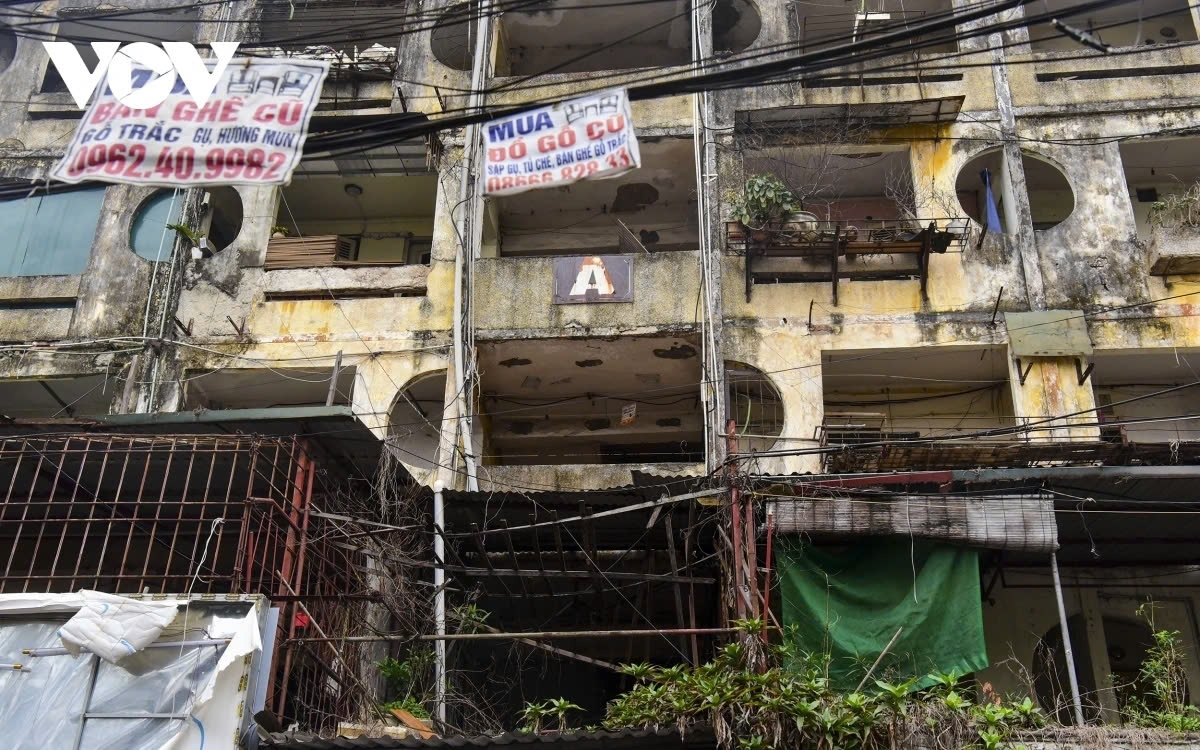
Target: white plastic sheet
(201,686)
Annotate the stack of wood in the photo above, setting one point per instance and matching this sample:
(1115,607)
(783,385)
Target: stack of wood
(309,252)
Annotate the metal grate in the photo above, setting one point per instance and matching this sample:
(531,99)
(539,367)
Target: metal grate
(192,514)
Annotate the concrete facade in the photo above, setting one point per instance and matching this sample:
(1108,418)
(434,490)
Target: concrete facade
(127,334)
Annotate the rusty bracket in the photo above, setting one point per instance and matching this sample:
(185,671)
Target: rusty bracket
(241,329)
(1022,374)
(1083,373)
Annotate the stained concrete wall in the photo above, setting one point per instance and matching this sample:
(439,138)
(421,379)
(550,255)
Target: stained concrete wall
(1091,261)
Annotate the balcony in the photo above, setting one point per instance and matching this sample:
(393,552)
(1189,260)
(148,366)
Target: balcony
(803,250)
(646,210)
(355,37)
(1164,192)
(887,413)
(566,36)
(591,401)
(1151,55)
(372,232)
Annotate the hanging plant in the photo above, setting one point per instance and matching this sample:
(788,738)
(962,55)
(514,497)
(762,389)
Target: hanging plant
(1177,210)
(192,236)
(764,199)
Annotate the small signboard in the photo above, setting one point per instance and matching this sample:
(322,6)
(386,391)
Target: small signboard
(586,138)
(250,131)
(593,278)
(628,414)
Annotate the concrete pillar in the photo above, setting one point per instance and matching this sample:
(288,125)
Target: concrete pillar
(1018,218)
(1097,646)
(1052,388)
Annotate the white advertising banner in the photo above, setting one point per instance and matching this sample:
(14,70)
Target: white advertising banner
(586,138)
(251,130)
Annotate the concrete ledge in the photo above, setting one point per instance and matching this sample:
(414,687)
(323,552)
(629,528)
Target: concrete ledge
(36,323)
(366,281)
(1174,251)
(568,477)
(39,288)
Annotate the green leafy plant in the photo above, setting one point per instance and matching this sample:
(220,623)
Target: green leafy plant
(560,707)
(534,715)
(1159,694)
(1177,210)
(192,236)
(279,229)
(763,199)
(470,618)
(784,699)
(411,705)
(403,678)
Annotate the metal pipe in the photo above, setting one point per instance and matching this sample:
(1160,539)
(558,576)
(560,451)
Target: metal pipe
(735,511)
(439,583)
(1066,637)
(469,195)
(766,593)
(60,651)
(543,635)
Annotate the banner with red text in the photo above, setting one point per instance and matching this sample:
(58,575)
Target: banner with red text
(584,138)
(251,131)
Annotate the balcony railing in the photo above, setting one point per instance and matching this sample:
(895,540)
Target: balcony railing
(834,250)
(867,446)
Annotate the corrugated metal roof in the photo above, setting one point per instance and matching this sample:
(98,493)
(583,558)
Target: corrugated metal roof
(642,739)
(336,430)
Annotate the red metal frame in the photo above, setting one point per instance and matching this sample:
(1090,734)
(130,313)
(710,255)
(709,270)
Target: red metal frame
(135,513)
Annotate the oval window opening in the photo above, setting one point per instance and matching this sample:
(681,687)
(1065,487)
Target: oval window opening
(451,40)
(8,47)
(755,406)
(736,24)
(413,429)
(152,238)
(982,192)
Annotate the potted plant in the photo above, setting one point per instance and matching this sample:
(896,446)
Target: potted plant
(279,231)
(194,238)
(1175,233)
(763,200)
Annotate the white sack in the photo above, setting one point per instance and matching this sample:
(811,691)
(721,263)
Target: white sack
(113,627)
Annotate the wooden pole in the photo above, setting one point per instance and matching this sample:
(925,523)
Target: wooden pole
(337,368)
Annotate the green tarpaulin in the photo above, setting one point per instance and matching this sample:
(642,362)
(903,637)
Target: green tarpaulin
(850,600)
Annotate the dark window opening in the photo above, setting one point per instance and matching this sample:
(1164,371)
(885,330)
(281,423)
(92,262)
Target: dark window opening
(567,36)
(628,401)
(175,25)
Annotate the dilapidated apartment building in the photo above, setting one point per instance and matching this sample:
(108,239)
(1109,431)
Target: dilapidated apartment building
(640,413)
